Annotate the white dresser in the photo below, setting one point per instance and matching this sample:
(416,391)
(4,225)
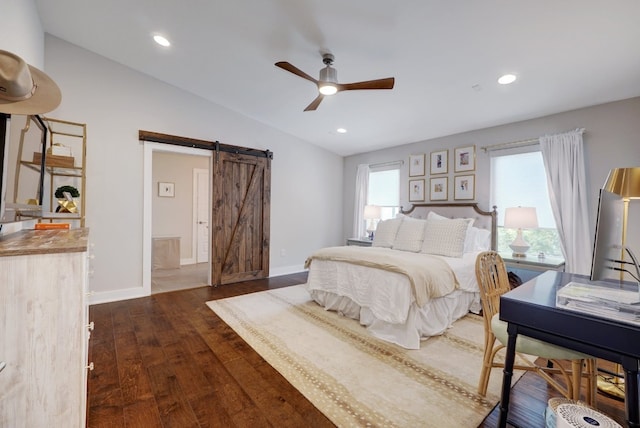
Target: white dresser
(44,328)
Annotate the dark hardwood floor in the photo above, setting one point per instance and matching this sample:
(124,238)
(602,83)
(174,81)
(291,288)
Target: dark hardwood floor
(169,361)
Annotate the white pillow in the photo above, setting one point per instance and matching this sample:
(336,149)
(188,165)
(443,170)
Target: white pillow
(410,235)
(445,238)
(469,239)
(386,232)
(482,241)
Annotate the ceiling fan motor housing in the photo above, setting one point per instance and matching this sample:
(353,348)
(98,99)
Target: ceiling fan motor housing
(328,74)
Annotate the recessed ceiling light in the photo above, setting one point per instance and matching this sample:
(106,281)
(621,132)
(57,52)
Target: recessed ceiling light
(506,79)
(341,131)
(162,41)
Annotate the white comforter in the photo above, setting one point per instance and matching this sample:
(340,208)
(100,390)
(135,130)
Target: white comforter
(430,276)
(383,300)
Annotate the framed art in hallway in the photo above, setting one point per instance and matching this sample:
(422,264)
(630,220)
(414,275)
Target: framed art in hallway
(465,187)
(438,189)
(465,159)
(416,190)
(440,162)
(166,190)
(416,165)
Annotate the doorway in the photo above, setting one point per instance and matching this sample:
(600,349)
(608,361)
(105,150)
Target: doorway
(171,233)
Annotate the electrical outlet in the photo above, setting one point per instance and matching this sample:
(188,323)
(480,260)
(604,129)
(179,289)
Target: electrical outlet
(283,253)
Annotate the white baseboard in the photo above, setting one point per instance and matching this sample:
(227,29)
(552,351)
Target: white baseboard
(285,270)
(189,261)
(96,298)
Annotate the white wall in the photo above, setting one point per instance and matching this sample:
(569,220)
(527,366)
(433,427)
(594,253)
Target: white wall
(21,31)
(174,216)
(611,140)
(116,102)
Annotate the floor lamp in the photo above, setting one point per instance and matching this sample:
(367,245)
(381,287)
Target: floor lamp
(626,183)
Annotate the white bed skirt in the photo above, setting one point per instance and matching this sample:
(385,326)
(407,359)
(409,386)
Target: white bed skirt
(382,301)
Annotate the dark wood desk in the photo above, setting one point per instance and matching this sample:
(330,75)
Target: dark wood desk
(531,310)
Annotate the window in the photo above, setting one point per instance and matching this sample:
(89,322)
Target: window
(384,189)
(519,179)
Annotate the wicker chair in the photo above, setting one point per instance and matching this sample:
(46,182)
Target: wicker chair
(493,282)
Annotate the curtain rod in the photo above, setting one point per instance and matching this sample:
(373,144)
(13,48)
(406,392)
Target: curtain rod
(377,165)
(511,144)
(521,143)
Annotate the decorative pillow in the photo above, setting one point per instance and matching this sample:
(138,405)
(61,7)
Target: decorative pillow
(469,240)
(386,233)
(445,238)
(410,235)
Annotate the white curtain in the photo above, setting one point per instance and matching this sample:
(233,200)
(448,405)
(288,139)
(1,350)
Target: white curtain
(564,164)
(362,187)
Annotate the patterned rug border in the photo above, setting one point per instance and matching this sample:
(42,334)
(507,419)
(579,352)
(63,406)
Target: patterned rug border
(344,405)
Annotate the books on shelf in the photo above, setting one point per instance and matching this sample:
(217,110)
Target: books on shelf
(49,226)
(607,302)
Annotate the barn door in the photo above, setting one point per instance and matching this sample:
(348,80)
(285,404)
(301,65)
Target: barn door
(241,206)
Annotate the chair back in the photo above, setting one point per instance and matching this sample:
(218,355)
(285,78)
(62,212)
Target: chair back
(493,282)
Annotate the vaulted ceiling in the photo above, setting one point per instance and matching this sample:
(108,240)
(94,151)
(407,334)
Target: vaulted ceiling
(446,57)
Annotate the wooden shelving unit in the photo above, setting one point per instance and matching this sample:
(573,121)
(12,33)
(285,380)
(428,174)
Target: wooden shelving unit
(56,132)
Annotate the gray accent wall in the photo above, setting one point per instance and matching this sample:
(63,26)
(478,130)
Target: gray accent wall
(611,140)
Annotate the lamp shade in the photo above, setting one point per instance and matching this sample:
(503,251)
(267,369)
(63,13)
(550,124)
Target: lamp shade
(521,218)
(624,182)
(372,212)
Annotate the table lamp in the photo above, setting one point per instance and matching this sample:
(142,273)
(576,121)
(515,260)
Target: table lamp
(371,214)
(520,218)
(626,183)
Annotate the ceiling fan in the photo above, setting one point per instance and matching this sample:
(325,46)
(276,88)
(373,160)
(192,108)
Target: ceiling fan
(328,81)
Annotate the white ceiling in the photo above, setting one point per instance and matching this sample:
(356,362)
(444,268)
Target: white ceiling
(445,55)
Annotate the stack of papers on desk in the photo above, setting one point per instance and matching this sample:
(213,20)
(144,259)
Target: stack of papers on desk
(612,303)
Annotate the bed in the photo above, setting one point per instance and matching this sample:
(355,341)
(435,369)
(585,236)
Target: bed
(416,279)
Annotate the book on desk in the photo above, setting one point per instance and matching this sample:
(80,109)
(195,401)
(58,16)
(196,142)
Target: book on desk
(616,304)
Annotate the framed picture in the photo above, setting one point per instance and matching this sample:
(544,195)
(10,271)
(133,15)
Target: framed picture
(440,162)
(439,190)
(416,190)
(465,187)
(166,190)
(465,159)
(416,165)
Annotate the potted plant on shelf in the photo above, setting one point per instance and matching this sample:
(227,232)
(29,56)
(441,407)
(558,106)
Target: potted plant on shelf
(66,203)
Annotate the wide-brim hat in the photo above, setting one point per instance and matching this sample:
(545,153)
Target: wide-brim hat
(24,89)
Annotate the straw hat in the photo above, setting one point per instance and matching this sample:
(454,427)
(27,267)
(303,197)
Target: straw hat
(25,89)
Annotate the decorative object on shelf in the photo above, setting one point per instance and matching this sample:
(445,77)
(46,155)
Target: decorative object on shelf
(440,162)
(416,165)
(372,214)
(520,218)
(54,160)
(416,190)
(26,90)
(439,191)
(66,203)
(465,158)
(465,187)
(166,190)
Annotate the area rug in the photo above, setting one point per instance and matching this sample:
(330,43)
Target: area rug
(356,379)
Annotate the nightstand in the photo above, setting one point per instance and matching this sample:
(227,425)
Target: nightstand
(361,242)
(531,266)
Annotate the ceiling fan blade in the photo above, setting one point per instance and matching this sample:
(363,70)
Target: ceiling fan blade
(315,103)
(368,84)
(295,70)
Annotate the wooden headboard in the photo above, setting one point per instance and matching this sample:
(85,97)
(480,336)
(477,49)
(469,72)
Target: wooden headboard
(483,219)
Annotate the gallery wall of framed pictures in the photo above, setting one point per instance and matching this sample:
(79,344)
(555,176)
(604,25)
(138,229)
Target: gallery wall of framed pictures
(437,176)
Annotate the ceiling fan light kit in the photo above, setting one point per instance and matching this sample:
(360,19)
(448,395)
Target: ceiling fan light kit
(328,82)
